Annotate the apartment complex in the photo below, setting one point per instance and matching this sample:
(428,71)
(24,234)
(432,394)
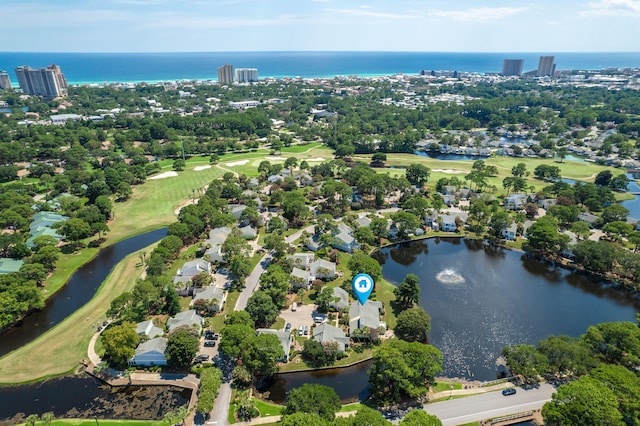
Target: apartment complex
(47,82)
(225,74)
(246,75)
(546,66)
(512,67)
(5,82)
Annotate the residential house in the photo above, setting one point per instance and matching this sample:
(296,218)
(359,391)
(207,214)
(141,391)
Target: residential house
(301,260)
(150,353)
(325,333)
(248,232)
(342,299)
(194,267)
(344,239)
(236,210)
(42,224)
(214,243)
(591,219)
(313,244)
(510,232)
(323,269)
(300,278)
(146,328)
(182,285)
(448,223)
(367,315)
(449,200)
(515,201)
(212,293)
(8,266)
(187,318)
(547,202)
(285,340)
(363,221)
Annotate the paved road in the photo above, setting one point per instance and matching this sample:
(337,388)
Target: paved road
(220,413)
(488,405)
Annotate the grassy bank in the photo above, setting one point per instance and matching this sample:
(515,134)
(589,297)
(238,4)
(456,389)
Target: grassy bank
(60,349)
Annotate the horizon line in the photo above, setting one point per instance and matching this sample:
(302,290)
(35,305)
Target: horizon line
(323,51)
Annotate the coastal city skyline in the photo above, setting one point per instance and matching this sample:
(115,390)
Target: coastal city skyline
(321,25)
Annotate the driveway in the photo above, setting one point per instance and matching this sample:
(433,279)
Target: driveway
(303,316)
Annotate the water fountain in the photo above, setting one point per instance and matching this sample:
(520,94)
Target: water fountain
(449,276)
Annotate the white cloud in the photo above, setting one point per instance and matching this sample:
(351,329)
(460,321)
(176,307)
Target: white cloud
(612,8)
(364,11)
(481,14)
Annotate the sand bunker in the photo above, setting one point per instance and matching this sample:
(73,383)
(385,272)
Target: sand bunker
(237,163)
(164,175)
(275,158)
(315,159)
(450,171)
(198,168)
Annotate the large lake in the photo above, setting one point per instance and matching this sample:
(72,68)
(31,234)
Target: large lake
(482,298)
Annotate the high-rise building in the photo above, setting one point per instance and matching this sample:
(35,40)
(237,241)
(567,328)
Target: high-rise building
(5,82)
(225,74)
(246,75)
(512,66)
(546,67)
(48,82)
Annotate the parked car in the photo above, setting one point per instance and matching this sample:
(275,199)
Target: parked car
(287,327)
(209,335)
(300,330)
(510,391)
(306,330)
(209,344)
(294,306)
(201,358)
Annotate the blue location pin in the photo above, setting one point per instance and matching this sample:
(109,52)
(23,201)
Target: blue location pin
(362,285)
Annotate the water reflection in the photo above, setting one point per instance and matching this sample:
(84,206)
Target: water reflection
(85,397)
(505,298)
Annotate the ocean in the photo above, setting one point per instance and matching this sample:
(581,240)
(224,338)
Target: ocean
(83,68)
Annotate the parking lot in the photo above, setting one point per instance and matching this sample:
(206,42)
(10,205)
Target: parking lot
(303,316)
(211,351)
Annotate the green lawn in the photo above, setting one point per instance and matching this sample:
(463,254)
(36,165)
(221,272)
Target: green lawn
(578,170)
(153,204)
(445,386)
(268,409)
(217,322)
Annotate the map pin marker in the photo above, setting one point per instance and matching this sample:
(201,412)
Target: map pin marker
(362,285)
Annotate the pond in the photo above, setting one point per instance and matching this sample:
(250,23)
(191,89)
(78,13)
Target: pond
(350,383)
(86,397)
(80,288)
(482,298)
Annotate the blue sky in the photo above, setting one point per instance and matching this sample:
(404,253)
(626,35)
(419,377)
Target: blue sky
(281,25)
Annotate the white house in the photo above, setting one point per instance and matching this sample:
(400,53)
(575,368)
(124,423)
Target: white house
(194,267)
(300,278)
(146,328)
(367,315)
(211,292)
(448,223)
(301,260)
(188,318)
(323,269)
(509,232)
(342,299)
(344,239)
(325,333)
(515,201)
(150,353)
(285,340)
